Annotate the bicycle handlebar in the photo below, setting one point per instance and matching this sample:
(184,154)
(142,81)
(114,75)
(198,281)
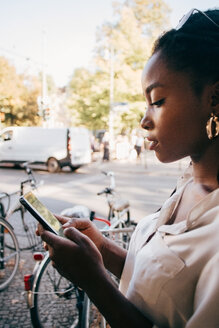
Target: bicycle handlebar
(109,174)
(94,218)
(105,191)
(31,179)
(3,195)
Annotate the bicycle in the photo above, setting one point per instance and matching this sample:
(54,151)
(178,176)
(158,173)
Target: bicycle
(54,301)
(15,238)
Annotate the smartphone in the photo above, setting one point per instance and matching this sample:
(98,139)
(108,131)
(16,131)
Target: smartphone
(41,213)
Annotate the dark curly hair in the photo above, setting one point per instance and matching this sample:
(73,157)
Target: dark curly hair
(194,48)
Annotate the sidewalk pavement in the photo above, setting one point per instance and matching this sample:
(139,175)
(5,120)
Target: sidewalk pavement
(146,164)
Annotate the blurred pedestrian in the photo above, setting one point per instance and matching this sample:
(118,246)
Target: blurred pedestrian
(139,144)
(106,147)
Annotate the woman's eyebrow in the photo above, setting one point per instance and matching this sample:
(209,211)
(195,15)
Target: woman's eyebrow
(153,86)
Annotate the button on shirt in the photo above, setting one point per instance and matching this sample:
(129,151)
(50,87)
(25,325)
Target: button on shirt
(173,277)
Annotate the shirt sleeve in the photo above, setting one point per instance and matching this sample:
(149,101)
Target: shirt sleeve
(206,298)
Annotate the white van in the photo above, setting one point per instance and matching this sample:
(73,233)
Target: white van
(55,147)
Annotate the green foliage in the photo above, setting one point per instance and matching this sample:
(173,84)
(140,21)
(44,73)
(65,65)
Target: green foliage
(130,119)
(18,96)
(28,114)
(88,99)
(136,24)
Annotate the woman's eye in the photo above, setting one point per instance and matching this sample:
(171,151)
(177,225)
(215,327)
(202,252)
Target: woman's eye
(158,103)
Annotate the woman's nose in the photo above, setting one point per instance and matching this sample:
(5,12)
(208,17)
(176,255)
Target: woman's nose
(146,122)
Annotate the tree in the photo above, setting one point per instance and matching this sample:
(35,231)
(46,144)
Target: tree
(18,96)
(88,99)
(28,114)
(137,24)
(131,35)
(10,90)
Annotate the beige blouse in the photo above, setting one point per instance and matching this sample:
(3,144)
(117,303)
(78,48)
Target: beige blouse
(174,277)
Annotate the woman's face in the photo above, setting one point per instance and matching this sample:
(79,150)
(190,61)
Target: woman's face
(175,116)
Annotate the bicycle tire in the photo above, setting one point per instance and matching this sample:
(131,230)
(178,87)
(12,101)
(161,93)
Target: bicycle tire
(24,225)
(91,317)
(9,257)
(56,301)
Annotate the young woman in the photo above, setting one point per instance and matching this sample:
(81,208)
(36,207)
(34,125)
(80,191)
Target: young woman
(169,277)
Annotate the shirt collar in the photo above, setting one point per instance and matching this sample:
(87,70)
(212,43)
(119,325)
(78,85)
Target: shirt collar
(195,216)
(170,205)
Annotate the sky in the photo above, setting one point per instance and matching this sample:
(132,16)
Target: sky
(66,28)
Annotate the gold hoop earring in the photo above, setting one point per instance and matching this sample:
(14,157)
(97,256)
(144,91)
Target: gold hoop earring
(212,126)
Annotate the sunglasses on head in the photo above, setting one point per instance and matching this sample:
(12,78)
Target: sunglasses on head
(186,17)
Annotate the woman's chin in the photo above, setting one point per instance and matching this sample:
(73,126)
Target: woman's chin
(166,158)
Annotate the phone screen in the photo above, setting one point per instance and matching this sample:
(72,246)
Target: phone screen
(35,205)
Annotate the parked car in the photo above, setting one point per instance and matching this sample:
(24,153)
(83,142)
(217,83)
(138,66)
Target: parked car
(55,147)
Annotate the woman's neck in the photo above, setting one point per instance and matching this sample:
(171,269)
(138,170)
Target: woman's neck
(206,168)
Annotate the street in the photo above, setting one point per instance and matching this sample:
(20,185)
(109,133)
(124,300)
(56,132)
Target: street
(145,184)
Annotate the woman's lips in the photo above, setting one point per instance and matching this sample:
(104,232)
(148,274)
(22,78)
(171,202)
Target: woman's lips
(152,144)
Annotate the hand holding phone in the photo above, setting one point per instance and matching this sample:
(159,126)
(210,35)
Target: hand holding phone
(41,213)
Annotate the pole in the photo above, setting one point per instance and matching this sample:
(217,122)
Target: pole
(44,82)
(111,129)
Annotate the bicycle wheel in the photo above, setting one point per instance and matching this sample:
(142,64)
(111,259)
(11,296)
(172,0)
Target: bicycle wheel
(56,301)
(91,317)
(24,225)
(9,258)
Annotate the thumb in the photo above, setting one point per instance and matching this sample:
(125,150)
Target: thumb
(61,219)
(77,223)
